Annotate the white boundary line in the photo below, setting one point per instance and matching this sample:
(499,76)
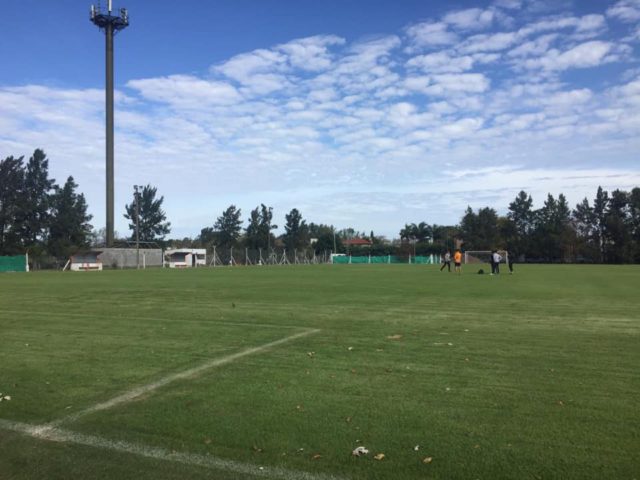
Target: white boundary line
(207,461)
(51,431)
(141,390)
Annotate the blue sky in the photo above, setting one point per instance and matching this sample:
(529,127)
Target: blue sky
(367,114)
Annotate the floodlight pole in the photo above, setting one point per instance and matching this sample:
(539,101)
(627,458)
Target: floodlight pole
(136,194)
(111,24)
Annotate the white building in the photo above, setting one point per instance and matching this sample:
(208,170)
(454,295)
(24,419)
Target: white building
(185,257)
(85,262)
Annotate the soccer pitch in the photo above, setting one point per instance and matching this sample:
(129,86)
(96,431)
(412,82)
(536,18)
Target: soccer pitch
(280,372)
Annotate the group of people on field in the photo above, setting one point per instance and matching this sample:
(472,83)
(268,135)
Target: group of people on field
(495,260)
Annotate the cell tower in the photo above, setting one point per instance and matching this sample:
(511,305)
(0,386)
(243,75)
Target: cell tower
(111,24)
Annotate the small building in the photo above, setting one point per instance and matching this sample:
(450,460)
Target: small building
(356,242)
(185,257)
(85,261)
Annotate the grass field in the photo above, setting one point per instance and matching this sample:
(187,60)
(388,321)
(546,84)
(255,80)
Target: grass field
(280,372)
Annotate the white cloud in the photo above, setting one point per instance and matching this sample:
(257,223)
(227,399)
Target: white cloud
(311,53)
(441,62)
(589,54)
(448,84)
(183,91)
(508,4)
(567,100)
(587,24)
(318,118)
(429,34)
(625,10)
(470,19)
(489,42)
(535,47)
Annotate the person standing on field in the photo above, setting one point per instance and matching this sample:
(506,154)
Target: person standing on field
(447,261)
(495,262)
(457,260)
(510,260)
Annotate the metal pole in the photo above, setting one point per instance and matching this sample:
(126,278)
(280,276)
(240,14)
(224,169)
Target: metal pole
(137,198)
(109,132)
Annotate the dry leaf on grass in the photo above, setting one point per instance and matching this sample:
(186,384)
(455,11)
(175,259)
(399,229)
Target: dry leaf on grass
(358,451)
(379,456)
(316,456)
(394,337)
(427,460)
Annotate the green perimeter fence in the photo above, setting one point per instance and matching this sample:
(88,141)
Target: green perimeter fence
(418,260)
(17,263)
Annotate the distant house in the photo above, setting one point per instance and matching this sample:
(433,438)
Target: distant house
(186,257)
(357,242)
(85,261)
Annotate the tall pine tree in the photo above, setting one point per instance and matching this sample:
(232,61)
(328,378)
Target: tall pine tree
(69,228)
(151,224)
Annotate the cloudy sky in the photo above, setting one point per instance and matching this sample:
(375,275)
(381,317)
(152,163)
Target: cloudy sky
(366,113)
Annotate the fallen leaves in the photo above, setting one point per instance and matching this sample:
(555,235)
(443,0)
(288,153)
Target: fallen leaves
(359,451)
(427,460)
(379,456)
(394,337)
(316,456)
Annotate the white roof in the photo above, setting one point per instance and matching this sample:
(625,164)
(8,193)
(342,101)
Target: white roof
(197,251)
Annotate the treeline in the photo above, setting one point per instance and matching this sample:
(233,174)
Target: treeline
(604,230)
(36,214)
(51,222)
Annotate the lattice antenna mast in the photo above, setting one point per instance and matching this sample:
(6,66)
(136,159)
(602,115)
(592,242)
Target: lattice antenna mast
(110,24)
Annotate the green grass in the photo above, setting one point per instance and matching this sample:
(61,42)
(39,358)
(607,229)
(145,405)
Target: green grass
(534,375)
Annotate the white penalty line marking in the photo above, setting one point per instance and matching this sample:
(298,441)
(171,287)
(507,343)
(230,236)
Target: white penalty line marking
(46,432)
(138,391)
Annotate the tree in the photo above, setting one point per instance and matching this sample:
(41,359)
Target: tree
(228,226)
(584,222)
(296,231)
(208,236)
(618,227)
(37,188)
(326,238)
(151,220)
(600,211)
(522,216)
(11,196)
(634,217)
(258,232)
(69,228)
(480,231)
(421,232)
(554,233)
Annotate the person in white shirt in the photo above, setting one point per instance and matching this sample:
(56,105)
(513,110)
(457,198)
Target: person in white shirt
(446,262)
(495,262)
